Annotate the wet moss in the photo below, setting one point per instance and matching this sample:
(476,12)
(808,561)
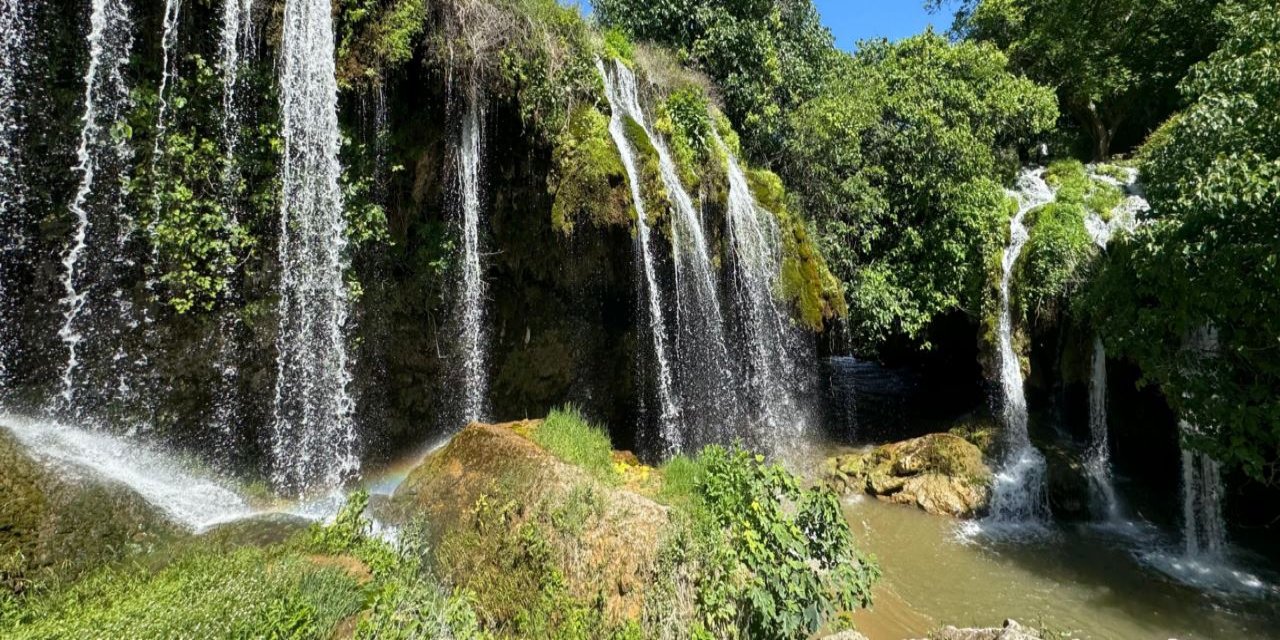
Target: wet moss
(657,203)
(806,283)
(588,180)
(1054,261)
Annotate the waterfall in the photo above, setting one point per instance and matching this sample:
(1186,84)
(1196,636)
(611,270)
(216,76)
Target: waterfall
(168,40)
(670,413)
(474,339)
(314,438)
(1019,491)
(702,372)
(1098,463)
(14,39)
(771,339)
(1204,529)
(89,264)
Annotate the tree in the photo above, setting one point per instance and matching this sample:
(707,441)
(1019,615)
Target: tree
(1209,256)
(900,164)
(1116,64)
(766,56)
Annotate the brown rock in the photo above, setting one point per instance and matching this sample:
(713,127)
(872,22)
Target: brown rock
(940,473)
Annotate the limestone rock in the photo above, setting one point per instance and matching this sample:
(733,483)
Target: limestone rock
(490,483)
(940,473)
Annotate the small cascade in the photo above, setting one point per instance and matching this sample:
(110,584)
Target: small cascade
(168,74)
(101,226)
(670,412)
(14,40)
(469,185)
(1204,529)
(1125,217)
(314,438)
(1098,463)
(1203,526)
(772,342)
(1019,492)
(229,50)
(702,371)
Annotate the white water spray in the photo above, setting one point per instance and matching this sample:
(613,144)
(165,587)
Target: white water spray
(1019,493)
(14,40)
(1204,529)
(474,336)
(670,413)
(772,340)
(105,96)
(314,438)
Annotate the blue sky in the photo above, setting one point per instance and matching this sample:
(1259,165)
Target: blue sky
(854,20)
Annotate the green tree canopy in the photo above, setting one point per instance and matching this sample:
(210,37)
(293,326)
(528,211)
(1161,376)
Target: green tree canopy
(1209,256)
(900,164)
(767,56)
(1116,64)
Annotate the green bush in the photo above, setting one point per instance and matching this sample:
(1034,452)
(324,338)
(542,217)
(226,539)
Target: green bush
(771,559)
(1054,261)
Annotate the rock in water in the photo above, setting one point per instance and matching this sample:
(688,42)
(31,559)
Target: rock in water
(940,473)
(56,526)
(1010,631)
(497,508)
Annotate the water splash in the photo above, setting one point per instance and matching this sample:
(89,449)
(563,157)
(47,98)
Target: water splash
(773,342)
(469,184)
(1106,505)
(99,151)
(314,438)
(14,41)
(196,500)
(1126,216)
(1019,493)
(670,413)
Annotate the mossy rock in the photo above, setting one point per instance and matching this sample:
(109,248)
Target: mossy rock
(55,527)
(505,519)
(940,473)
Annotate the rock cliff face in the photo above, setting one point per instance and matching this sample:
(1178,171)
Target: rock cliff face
(940,473)
(499,510)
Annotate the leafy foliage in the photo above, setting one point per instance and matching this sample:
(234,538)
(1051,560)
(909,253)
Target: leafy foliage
(772,560)
(899,163)
(766,56)
(1116,64)
(1208,254)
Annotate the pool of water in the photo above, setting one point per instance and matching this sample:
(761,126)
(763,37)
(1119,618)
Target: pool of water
(1092,582)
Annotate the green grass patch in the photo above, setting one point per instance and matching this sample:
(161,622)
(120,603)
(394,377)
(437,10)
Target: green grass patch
(567,435)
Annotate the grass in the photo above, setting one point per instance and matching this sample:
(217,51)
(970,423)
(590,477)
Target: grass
(680,478)
(567,435)
(207,593)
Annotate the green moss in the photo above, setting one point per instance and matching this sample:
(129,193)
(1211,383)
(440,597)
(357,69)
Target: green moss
(567,435)
(1053,261)
(652,189)
(683,118)
(1074,186)
(373,39)
(588,180)
(615,45)
(806,282)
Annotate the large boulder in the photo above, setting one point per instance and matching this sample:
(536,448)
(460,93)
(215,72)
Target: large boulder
(498,509)
(940,473)
(57,526)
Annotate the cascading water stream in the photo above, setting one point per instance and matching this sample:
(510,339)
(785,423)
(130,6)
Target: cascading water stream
(105,99)
(1018,495)
(14,40)
(771,339)
(702,371)
(168,41)
(472,293)
(314,438)
(1098,462)
(1203,526)
(670,413)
